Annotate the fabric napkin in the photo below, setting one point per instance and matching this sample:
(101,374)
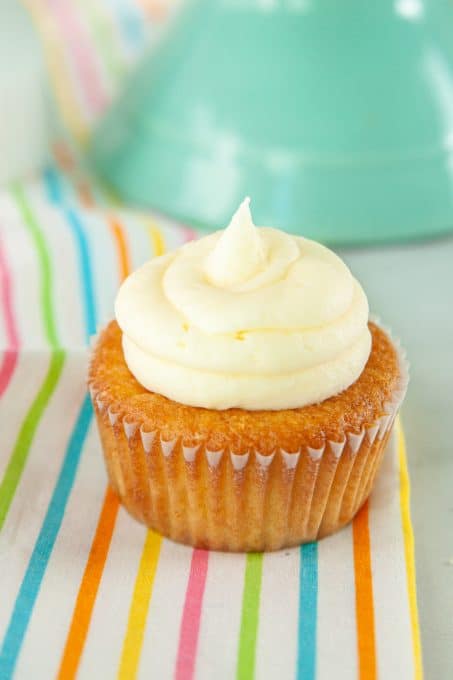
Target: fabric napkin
(85,588)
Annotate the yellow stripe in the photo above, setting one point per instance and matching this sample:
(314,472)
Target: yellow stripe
(157,238)
(409,552)
(55,59)
(138,612)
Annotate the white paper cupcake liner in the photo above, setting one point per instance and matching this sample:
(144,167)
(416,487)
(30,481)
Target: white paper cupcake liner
(242,500)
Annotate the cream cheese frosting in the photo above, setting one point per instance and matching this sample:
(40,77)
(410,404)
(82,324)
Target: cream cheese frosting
(248,317)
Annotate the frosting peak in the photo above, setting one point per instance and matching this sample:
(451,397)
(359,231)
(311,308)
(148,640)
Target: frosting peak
(250,317)
(239,253)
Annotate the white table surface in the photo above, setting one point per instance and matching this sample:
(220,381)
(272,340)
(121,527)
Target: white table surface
(411,289)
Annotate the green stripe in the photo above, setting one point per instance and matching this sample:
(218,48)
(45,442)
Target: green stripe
(30,423)
(103,39)
(26,433)
(249,617)
(44,261)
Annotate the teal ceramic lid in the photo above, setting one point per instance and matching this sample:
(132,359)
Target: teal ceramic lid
(335,117)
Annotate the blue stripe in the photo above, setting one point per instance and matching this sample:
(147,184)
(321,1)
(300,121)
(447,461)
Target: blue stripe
(308,612)
(131,24)
(42,551)
(55,192)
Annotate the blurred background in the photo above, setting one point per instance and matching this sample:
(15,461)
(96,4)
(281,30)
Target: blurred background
(337,120)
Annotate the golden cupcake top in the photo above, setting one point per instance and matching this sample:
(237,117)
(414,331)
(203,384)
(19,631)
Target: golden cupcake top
(249,317)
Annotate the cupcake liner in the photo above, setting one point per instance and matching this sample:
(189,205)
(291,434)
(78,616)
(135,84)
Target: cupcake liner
(242,500)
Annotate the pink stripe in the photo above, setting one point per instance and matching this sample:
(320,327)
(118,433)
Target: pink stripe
(189,234)
(9,359)
(74,34)
(191,616)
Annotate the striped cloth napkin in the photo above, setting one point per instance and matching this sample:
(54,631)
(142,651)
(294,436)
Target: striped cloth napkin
(85,591)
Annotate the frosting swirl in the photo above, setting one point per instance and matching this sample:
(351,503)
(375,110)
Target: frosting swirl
(247,317)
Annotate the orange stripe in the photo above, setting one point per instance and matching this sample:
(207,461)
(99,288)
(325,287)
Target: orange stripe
(88,588)
(124,264)
(63,156)
(85,194)
(66,162)
(366,644)
(156,9)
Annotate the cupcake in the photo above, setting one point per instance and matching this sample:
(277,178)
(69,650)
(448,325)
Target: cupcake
(242,396)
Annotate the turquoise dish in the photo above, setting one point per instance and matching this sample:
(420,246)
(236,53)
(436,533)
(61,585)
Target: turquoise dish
(336,118)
